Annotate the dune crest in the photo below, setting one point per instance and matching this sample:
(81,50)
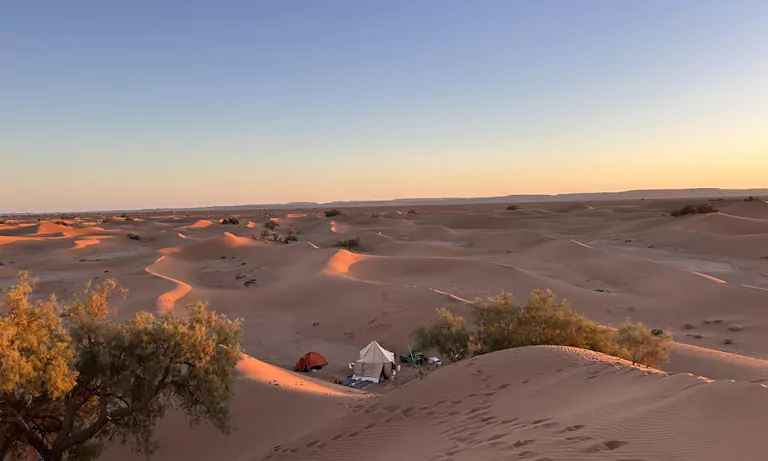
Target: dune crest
(340,262)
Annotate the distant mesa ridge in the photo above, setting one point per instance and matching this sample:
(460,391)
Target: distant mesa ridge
(700,193)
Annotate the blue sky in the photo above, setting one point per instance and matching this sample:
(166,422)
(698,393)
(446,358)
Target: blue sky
(151,104)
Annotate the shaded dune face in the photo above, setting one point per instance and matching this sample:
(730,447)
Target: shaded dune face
(704,278)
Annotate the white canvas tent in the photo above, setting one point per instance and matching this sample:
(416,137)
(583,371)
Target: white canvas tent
(373,362)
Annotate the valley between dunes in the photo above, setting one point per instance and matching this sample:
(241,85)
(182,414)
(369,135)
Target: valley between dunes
(704,278)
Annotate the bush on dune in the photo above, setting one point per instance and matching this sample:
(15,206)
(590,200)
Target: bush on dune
(448,335)
(702,208)
(502,323)
(73,379)
(332,212)
(349,244)
(233,221)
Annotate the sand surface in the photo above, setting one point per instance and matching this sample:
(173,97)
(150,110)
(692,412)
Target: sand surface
(704,278)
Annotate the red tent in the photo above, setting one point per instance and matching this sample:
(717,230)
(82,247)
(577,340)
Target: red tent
(310,361)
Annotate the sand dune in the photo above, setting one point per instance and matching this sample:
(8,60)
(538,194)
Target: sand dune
(200,224)
(726,224)
(48,227)
(167,301)
(612,261)
(519,404)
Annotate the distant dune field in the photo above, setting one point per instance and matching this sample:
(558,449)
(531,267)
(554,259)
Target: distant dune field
(704,278)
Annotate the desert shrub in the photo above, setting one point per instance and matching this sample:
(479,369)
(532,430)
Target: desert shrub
(271,224)
(702,208)
(735,327)
(133,236)
(448,335)
(501,323)
(349,244)
(291,235)
(751,199)
(106,220)
(73,379)
(513,208)
(641,345)
(413,212)
(129,218)
(233,221)
(61,223)
(332,212)
(265,234)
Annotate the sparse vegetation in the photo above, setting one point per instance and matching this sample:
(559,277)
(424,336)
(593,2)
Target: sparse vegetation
(73,379)
(271,224)
(265,234)
(61,223)
(106,219)
(501,323)
(412,212)
(233,221)
(513,208)
(688,326)
(128,218)
(702,208)
(735,327)
(641,345)
(291,235)
(349,244)
(752,198)
(333,212)
(448,335)
(728,341)
(133,236)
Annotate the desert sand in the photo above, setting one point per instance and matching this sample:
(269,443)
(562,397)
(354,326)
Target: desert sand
(704,278)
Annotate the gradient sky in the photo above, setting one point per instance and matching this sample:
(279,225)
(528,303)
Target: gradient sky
(129,104)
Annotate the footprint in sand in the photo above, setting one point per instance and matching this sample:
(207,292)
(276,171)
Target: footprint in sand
(522,443)
(610,445)
(575,427)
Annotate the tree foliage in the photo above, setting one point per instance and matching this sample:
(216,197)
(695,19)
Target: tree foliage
(448,335)
(72,378)
(641,345)
(502,323)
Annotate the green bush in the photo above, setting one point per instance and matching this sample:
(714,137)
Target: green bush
(641,345)
(332,212)
(502,323)
(448,335)
(702,208)
(350,244)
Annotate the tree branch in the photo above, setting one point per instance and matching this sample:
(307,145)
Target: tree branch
(105,415)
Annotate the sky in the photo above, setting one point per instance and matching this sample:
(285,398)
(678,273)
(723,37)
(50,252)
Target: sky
(143,104)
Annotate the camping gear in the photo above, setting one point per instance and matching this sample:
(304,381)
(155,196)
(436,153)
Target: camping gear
(374,362)
(414,356)
(310,361)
